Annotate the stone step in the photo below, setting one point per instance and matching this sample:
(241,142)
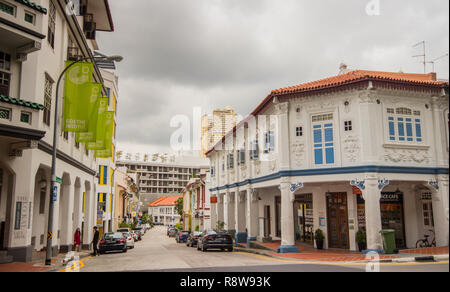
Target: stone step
(5,258)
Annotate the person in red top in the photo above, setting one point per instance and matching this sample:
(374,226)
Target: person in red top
(77,239)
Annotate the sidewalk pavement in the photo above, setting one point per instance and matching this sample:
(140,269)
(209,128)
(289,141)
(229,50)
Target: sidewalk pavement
(309,254)
(38,263)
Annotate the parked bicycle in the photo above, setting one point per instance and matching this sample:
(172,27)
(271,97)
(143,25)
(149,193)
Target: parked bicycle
(424,243)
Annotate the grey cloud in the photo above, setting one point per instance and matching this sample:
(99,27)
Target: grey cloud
(212,53)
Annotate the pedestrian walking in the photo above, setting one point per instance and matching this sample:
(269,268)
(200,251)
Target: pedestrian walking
(95,241)
(77,240)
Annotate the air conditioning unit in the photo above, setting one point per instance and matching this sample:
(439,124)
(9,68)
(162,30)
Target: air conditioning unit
(89,26)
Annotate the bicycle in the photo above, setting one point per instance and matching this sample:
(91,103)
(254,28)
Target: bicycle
(424,243)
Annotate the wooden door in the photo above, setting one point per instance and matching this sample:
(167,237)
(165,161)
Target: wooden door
(337,213)
(267,226)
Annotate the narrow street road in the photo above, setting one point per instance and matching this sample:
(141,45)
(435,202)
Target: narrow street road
(156,252)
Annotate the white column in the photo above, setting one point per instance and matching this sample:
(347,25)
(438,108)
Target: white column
(287,220)
(66,237)
(240,221)
(252,215)
(282,134)
(439,125)
(441,211)
(372,196)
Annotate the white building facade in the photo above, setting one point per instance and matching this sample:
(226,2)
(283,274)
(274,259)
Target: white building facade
(35,41)
(363,149)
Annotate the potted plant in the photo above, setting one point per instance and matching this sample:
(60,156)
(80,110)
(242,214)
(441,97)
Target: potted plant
(361,239)
(319,237)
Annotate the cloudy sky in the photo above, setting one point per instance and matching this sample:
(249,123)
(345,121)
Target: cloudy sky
(213,53)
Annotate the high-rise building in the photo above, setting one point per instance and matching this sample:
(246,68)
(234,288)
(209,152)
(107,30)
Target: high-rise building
(214,126)
(156,180)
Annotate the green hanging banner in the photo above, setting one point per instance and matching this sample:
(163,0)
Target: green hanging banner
(92,109)
(77,94)
(107,152)
(99,142)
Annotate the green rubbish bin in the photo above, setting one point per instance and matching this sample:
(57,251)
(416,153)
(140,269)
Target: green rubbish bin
(388,240)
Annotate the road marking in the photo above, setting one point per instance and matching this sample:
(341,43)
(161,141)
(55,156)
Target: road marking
(268,258)
(75,267)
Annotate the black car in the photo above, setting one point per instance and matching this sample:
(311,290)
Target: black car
(138,232)
(193,239)
(182,236)
(113,242)
(213,240)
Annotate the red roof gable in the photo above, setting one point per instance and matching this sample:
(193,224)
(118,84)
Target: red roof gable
(165,201)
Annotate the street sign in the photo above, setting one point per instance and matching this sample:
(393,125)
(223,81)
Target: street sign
(59,180)
(55,194)
(49,235)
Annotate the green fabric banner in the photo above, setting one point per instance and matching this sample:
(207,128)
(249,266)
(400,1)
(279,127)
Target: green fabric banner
(101,126)
(92,111)
(77,94)
(107,152)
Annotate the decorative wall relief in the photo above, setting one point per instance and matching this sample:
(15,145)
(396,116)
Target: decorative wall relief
(399,155)
(298,153)
(272,165)
(352,148)
(244,171)
(257,165)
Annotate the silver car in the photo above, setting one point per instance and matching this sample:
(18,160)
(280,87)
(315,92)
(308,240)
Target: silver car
(130,239)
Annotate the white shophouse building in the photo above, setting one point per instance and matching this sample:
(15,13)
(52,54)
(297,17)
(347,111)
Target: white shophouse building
(36,39)
(318,145)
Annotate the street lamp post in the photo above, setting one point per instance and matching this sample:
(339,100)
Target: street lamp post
(53,189)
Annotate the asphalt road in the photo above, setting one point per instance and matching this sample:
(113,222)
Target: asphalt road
(158,253)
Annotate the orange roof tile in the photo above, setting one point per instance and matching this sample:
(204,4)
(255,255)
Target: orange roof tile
(358,75)
(165,201)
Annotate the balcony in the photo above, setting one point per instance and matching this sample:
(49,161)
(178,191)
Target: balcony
(21,29)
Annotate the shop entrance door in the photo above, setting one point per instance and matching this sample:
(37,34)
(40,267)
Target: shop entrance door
(427,209)
(337,213)
(267,227)
(303,218)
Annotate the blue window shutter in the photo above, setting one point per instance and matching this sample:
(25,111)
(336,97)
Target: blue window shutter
(105,175)
(329,135)
(329,155)
(418,130)
(391,128)
(318,156)
(272,141)
(409,130)
(401,129)
(317,136)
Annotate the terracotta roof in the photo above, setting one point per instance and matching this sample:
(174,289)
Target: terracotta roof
(358,75)
(165,201)
(340,80)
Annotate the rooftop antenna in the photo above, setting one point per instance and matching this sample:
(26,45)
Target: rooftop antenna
(437,59)
(423,55)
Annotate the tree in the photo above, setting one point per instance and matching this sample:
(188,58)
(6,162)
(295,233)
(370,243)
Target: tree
(179,206)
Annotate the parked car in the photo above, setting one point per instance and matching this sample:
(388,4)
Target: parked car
(130,239)
(182,236)
(171,232)
(135,236)
(158,223)
(114,241)
(140,228)
(193,239)
(127,230)
(138,234)
(213,240)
